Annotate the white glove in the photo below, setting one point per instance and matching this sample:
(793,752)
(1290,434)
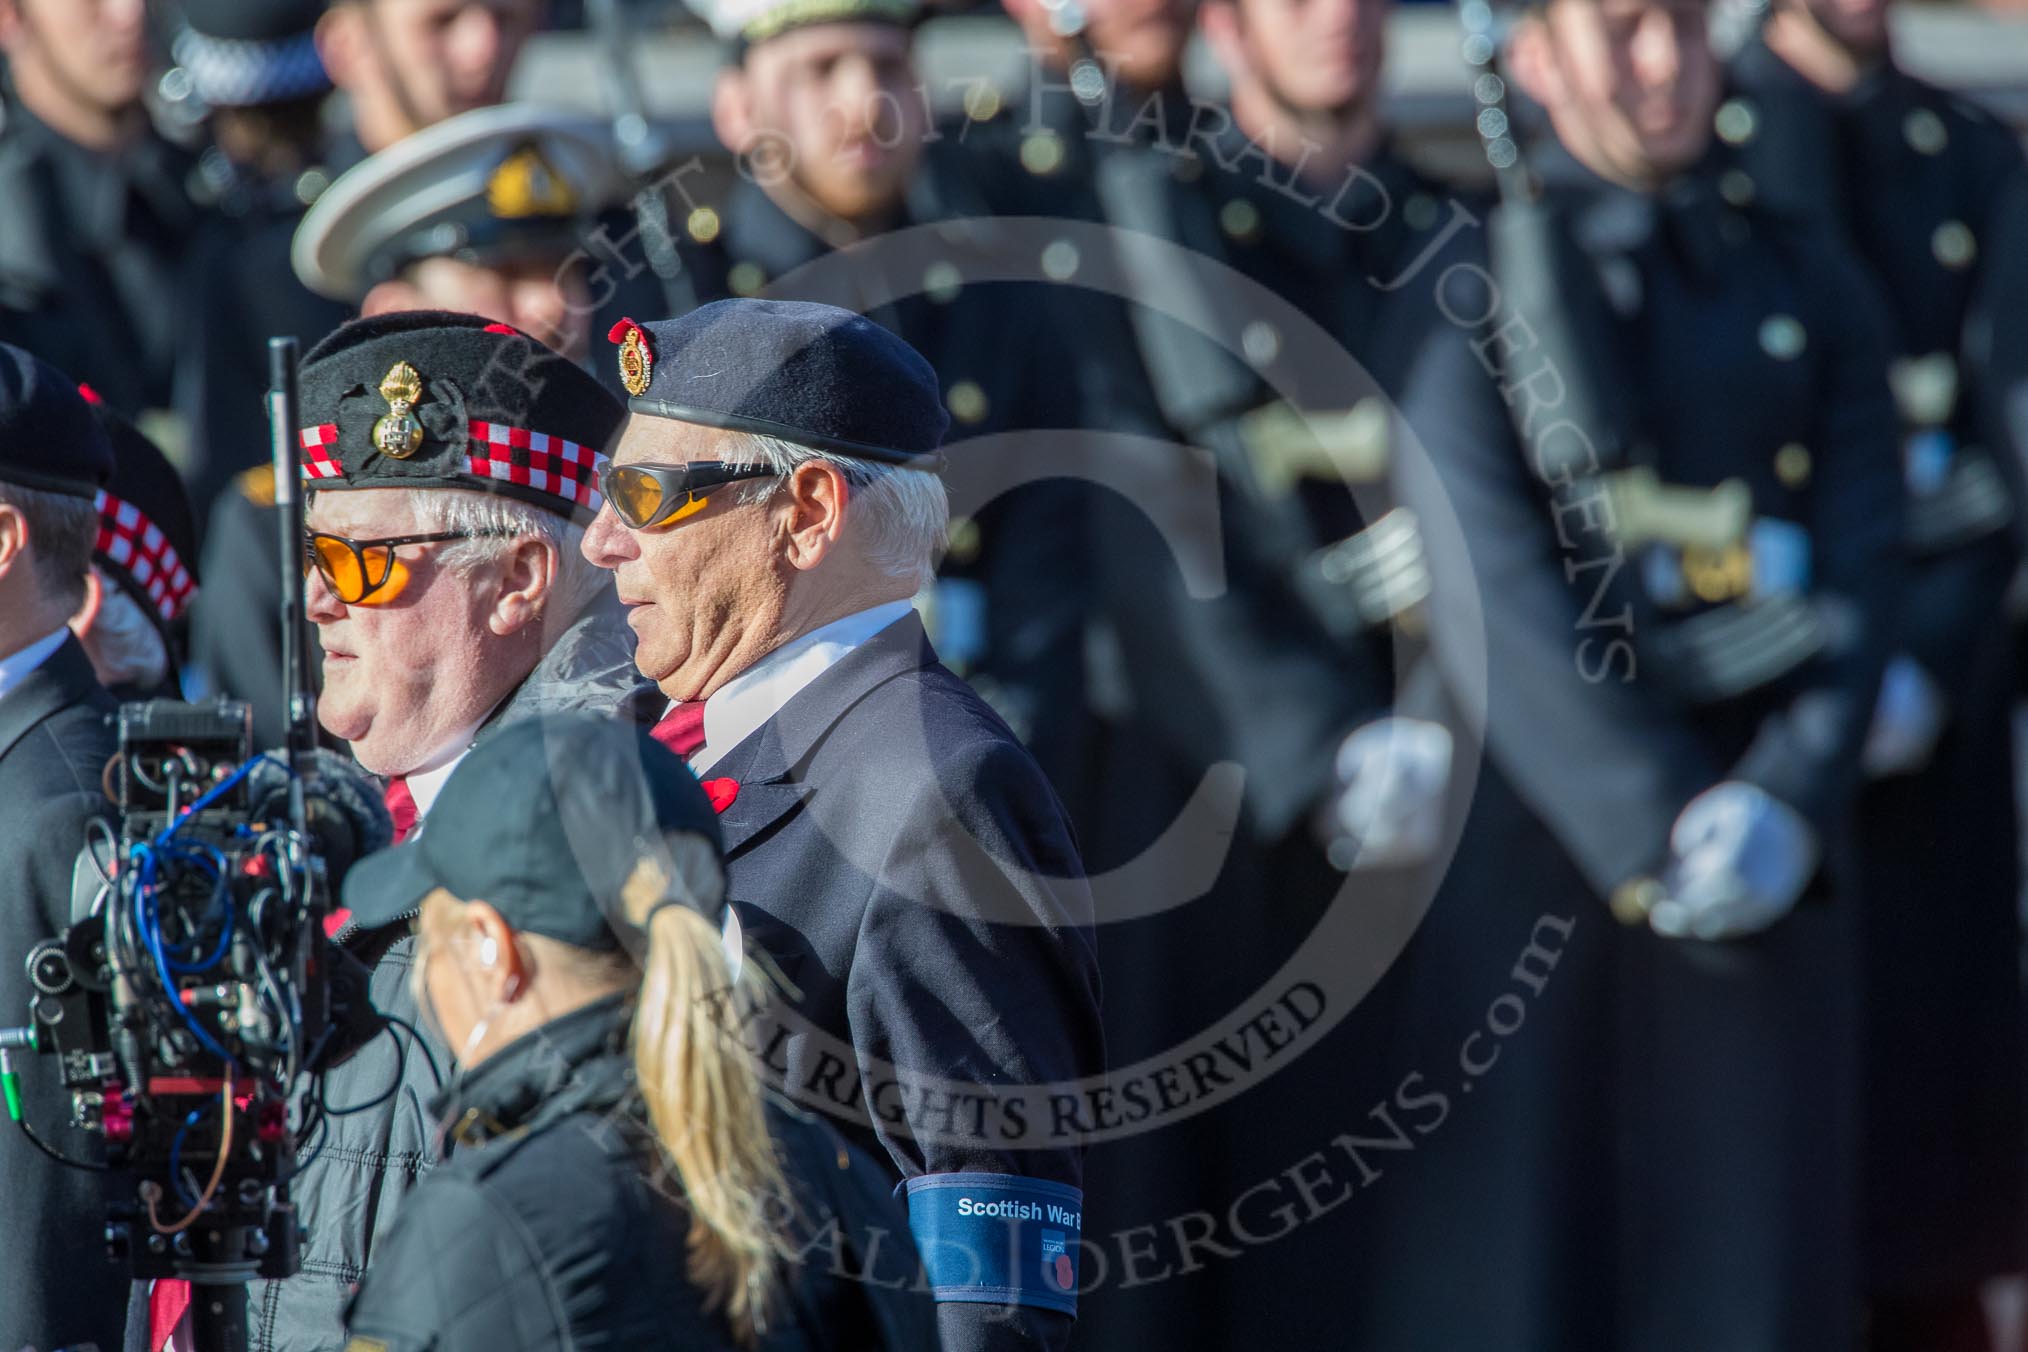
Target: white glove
(1907,720)
(1393,774)
(1739,859)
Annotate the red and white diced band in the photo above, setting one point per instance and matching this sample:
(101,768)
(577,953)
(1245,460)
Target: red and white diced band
(140,549)
(516,455)
(536,460)
(317,460)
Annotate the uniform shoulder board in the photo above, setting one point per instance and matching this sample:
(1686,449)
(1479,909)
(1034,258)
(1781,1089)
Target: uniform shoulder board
(257,485)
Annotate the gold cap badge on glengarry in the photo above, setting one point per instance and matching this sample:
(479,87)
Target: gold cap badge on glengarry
(398,434)
(527,185)
(637,359)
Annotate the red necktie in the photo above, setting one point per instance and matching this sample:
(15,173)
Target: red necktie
(682,728)
(400,807)
(167,1300)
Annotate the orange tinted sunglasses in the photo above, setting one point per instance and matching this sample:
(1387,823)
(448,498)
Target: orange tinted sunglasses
(366,572)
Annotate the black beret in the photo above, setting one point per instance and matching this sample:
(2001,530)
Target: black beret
(244,53)
(48,437)
(147,532)
(812,374)
(427,399)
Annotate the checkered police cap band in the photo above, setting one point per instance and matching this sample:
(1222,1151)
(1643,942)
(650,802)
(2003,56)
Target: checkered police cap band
(238,73)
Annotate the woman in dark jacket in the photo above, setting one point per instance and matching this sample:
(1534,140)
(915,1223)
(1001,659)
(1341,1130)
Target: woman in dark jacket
(617,1179)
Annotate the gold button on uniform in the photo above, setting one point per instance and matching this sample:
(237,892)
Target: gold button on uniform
(941,281)
(1737,121)
(746,279)
(1925,132)
(1042,153)
(982,103)
(703,225)
(962,540)
(1239,219)
(1783,337)
(967,401)
(1954,245)
(1633,899)
(1792,464)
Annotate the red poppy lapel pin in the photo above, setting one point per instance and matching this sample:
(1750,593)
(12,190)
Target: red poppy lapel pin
(721,792)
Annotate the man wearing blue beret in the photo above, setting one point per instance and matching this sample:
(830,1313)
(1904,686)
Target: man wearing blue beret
(772,505)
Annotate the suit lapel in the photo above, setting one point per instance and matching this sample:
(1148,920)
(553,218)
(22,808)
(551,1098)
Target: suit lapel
(768,765)
(65,679)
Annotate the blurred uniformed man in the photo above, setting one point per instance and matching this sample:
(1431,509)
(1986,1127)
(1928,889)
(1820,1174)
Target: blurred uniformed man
(772,506)
(56,1287)
(94,209)
(1686,579)
(252,68)
(144,568)
(408,64)
(819,99)
(1934,194)
(478,215)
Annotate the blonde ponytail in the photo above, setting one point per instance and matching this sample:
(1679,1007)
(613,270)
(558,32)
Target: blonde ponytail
(703,1092)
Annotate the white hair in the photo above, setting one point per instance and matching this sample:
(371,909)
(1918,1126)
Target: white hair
(899,515)
(126,648)
(494,522)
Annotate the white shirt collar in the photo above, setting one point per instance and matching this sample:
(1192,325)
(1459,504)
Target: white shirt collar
(424,785)
(757,694)
(17,667)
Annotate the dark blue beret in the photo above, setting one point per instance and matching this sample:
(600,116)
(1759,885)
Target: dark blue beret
(147,532)
(812,374)
(48,436)
(429,399)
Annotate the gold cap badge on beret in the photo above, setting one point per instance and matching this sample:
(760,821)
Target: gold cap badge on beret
(398,434)
(637,358)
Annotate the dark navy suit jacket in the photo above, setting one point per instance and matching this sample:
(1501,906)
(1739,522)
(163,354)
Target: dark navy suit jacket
(901,857)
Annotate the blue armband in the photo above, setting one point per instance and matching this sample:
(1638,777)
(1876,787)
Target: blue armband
(998,1239)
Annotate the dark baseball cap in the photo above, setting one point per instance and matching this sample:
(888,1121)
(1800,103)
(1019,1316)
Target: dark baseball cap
(547,820)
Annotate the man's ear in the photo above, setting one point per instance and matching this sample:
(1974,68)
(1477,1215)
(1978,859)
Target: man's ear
(731,109)
(1532,60)
(1218,21)
(815,499)
(338,38)
(10,26)
(88,609)
(527,579)
(393,294)
(13,539)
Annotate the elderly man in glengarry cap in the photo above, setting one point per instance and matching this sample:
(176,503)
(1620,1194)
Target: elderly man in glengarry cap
(772,506)
(451,464)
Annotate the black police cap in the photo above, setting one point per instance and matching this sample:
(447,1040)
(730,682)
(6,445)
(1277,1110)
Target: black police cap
(552,821)
(48,436)
(429,399)
(812,374)
(147,533)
